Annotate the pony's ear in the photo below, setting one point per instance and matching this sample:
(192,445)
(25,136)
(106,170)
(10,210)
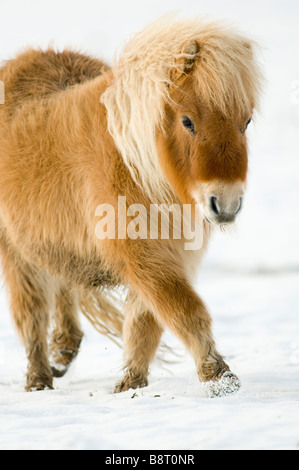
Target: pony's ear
(185,60)
(248,48)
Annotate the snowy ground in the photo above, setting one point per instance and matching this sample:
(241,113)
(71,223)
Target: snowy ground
(256,326)
(250,279)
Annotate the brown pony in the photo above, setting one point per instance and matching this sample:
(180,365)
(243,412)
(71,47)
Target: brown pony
(166,124)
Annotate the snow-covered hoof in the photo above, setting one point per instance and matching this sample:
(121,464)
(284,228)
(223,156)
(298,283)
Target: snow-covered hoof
(59,370)
(228,384)
(60,361)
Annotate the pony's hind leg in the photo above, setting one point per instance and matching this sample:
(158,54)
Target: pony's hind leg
(141,334)
(30,302)
(67,335)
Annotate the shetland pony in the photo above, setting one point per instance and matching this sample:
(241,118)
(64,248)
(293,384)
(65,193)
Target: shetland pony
(166,124)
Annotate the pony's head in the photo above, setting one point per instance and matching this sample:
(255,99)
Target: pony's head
(202,148)
(183,96)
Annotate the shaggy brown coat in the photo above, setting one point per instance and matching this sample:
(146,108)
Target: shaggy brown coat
(58,162)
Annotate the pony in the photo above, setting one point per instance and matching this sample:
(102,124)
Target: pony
(165,124)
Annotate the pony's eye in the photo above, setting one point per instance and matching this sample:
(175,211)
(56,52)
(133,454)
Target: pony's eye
(246,125)
(188,124)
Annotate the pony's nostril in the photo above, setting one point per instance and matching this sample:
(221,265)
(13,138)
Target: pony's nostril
(240,205)
(214,207)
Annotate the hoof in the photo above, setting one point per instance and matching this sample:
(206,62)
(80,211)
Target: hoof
(60,361)
(130,380)
(228,384)
(38,386)
(59,370)
(39,380)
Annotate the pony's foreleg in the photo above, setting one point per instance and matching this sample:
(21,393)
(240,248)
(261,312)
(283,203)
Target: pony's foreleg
(67,334)
(163,287)
(141,335)
(30,299)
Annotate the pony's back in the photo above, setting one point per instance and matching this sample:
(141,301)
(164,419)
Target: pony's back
(36,74)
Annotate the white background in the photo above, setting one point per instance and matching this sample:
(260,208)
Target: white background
(249,278)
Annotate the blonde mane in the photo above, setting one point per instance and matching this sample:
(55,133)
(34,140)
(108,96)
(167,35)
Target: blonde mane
(226,76)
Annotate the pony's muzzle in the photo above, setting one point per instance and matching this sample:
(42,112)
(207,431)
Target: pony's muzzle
(223,211)
(222,201)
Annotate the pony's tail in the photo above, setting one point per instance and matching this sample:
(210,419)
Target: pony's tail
(104,309)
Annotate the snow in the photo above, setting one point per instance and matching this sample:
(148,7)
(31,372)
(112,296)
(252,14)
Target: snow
(256,327)
(249,278)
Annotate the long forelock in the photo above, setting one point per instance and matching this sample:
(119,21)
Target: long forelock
(226,77)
